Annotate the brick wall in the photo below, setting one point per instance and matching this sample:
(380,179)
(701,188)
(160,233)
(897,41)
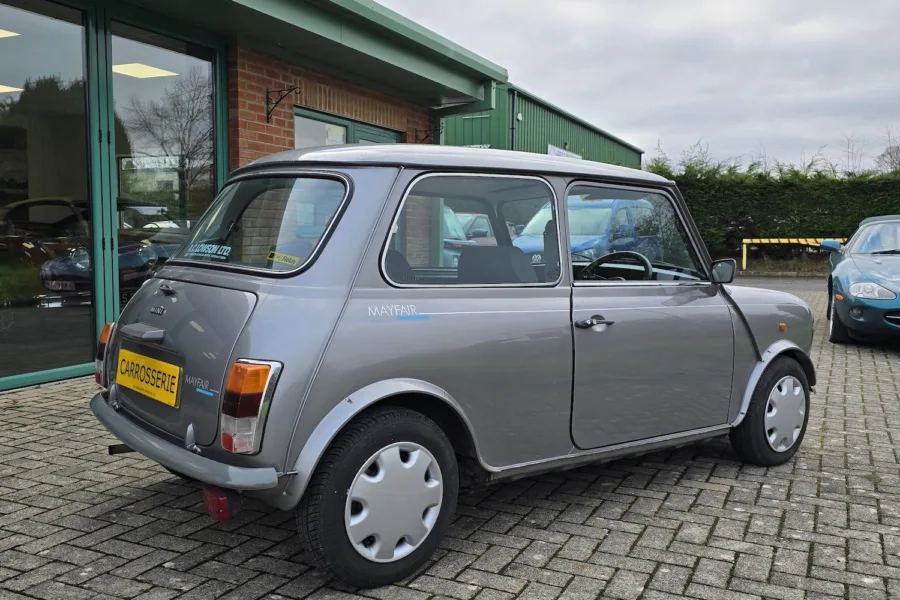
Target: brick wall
(251,137)
(419,244)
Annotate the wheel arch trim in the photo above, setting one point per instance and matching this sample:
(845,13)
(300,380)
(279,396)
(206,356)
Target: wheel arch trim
(779,348)
(344,412)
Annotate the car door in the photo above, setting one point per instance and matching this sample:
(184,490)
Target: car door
(652,357)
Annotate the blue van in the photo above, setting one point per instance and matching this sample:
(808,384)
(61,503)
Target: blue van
(598,228)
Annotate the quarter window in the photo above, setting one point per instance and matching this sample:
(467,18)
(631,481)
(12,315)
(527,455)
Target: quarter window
(604,252)
(434,242)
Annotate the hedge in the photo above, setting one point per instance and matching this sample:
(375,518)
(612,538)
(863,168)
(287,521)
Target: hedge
(729,208)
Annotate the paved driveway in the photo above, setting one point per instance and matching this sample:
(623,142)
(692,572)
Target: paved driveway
(78,524)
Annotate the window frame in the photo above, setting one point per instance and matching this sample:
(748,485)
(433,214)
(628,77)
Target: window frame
(386,245)
(320,245)
(665,193)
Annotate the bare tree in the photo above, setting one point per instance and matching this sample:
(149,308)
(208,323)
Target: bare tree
(854,154)
(889,160)
(180,126)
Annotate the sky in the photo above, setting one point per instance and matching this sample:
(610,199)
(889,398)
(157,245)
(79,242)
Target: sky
(747,78)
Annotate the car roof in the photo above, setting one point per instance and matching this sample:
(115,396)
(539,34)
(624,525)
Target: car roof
(879,219)
(454,157)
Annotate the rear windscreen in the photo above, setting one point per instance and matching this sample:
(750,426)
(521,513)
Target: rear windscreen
(274,223)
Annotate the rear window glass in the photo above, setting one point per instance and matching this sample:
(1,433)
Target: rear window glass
(271,223)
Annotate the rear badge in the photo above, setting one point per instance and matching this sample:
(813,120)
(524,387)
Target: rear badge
(158,310)
(201,386)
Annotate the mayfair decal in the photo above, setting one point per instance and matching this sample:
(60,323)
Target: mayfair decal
(200,385)
(401,312)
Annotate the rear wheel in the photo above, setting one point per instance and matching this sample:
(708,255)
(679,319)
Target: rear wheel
(381,498)
(837,331)
(775,423)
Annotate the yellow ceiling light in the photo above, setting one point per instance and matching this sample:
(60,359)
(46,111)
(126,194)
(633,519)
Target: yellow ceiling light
(5,33)
(5,89)
(141,71)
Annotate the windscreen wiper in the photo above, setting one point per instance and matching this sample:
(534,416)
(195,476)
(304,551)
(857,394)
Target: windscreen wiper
(894,251)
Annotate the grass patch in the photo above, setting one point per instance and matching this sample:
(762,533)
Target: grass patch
(807,266)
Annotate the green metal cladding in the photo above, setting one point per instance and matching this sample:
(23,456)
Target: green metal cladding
(542,124)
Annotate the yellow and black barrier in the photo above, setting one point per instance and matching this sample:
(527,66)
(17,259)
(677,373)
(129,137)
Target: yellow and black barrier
(795,241)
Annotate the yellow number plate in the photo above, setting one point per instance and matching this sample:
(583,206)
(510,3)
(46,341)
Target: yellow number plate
(153,378)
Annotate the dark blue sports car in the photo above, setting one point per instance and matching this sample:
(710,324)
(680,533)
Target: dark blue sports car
(864,282)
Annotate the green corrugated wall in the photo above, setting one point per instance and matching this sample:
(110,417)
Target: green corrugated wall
(486,127)
(540,125)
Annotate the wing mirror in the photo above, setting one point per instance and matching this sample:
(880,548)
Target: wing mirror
(723,270)
(830,245)
(478,233)
(520,229)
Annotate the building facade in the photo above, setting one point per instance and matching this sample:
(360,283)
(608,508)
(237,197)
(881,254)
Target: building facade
(119,122)
(522,121)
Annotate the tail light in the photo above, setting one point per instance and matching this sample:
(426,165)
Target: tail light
(245,404)
(100,359)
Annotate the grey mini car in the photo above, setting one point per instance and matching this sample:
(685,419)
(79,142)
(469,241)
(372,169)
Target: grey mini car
(312,347)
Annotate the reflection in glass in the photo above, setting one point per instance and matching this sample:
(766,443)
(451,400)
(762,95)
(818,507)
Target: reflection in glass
(309,133)
(163,93)
(45,234)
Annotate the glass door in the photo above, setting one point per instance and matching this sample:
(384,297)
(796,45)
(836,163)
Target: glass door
(163,93)
(47,238)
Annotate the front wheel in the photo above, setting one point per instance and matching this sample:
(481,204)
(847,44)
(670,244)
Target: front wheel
(837,331)
(775,423)
(381,498)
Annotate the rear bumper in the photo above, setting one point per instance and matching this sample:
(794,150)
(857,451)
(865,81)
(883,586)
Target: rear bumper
(180,459)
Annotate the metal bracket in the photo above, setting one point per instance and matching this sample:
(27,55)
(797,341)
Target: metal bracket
(428,134)
(282,94)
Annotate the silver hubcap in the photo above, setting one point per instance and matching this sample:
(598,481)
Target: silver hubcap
(785,412)
(394,502)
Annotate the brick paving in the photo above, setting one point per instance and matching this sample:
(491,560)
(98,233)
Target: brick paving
(78,524)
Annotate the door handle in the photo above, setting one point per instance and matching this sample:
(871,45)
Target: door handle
(592,322)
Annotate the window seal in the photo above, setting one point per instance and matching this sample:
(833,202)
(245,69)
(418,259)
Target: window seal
(320,245)
(399,211)
(665,192)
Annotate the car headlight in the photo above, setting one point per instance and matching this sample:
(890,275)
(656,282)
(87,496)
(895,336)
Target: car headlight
(871,291)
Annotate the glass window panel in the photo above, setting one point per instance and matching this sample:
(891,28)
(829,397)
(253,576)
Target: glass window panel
(46,284)
(434,247)
(309,133)
(164,96)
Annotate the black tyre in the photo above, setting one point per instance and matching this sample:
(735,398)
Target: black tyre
(776,419)
(837,331)
(391,473)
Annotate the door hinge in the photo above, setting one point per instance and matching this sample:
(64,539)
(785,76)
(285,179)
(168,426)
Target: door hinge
(103,243)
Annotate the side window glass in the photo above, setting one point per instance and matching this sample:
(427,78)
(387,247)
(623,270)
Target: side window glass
(655,246)
(443,233)
(621,225)
(482,224)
